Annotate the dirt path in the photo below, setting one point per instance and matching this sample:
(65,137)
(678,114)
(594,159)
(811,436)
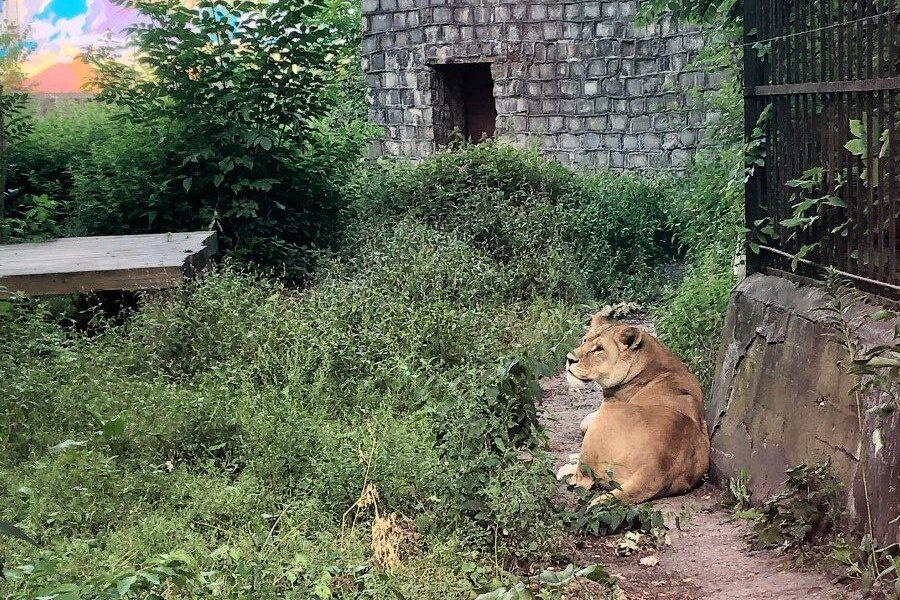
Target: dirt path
(709,557)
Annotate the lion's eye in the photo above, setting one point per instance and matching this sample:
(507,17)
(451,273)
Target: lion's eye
(598,349)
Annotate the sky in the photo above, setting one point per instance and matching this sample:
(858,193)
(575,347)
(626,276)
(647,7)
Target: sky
(59,31)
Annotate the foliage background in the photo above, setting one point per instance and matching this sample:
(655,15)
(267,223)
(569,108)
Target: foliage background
(217,440)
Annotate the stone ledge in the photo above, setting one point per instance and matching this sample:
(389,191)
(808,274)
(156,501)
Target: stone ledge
(780,398)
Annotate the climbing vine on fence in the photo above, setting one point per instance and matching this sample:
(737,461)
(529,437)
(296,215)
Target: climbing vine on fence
(877,373)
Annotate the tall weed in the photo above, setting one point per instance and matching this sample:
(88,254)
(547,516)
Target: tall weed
(237,422)
(705,216)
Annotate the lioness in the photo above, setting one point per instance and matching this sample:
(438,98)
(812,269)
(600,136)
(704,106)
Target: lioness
(649,432)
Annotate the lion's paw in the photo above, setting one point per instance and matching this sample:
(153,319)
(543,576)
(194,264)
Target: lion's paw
(567,473)
(602,499)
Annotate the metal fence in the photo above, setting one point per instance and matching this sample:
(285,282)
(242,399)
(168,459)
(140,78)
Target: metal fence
(822,87)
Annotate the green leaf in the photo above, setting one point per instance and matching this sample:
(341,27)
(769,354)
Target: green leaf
(556,578)
(855,147)
(114,428)
(186,183)
(794,222)
(322,589)
(804,184)
(804,205)
(124,585)
(596,573)
(882,362)
(883,315)
(492,595)
(834,201)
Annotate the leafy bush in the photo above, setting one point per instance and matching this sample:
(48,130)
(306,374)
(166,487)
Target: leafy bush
(33,218)
(41,162)
(571,235)
(615,517)
(82,170)
(15,121)
(804,513)
(261,163)
(705,215)
(249,148)
(692,313)
(620,235)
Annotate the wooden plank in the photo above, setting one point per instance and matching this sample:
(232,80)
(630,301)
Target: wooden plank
(127,262)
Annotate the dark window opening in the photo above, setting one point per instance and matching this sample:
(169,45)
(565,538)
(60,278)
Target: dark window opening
(464,102)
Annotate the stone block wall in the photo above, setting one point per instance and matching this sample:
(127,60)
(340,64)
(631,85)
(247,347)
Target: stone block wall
(577,79)
(781,398)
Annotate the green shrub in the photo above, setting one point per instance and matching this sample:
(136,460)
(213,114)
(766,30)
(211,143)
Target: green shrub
(804,513)
(41,162)
(692,313)
(705,215)
(255,144)
(250,147)
(620,235)
(86,171)
(117,183)
(33,218)
(554,231)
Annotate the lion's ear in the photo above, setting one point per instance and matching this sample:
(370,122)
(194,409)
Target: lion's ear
(629,337)
(599,318)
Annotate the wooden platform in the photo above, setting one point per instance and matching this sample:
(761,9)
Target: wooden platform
(120,262)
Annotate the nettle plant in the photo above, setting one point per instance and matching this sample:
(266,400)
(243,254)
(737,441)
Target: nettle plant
(809,204)
(858,146)
(876,368)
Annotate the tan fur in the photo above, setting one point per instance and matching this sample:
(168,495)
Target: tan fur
(650,432)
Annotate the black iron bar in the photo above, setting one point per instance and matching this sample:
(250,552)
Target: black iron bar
(825,87)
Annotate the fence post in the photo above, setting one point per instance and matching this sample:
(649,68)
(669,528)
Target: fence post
(754,189)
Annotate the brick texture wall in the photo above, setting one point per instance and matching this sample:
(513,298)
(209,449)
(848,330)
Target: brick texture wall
(579,80)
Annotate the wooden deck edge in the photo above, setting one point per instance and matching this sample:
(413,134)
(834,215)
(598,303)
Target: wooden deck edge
(147,278)
(49,284)
(195,264)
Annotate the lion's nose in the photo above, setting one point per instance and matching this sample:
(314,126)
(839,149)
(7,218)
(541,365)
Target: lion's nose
(571,358)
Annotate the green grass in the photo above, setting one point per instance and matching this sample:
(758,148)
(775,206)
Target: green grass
(217,441)
(235,422)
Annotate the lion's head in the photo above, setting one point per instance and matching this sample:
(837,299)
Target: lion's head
(609,354)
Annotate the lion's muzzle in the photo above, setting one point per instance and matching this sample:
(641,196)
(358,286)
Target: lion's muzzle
(573,380)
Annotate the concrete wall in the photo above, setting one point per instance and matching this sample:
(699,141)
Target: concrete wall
(780,399)
(577,79)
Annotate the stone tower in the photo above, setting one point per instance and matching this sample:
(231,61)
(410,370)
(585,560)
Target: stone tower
(577,79)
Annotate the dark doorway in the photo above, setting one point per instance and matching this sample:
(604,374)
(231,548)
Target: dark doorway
(464,102)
